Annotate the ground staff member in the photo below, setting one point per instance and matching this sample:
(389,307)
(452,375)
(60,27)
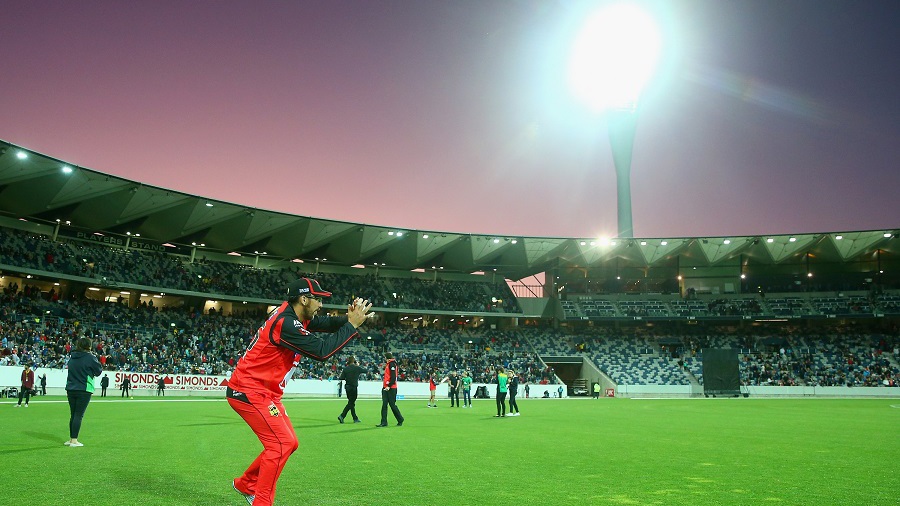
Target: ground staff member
(350,376)
(389,391)
(255,388)
(83,368)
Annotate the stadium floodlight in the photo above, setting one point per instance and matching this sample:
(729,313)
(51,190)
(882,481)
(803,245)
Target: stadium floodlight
(613,58)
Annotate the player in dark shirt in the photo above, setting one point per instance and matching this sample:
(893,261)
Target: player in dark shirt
(350,377)
(455,383)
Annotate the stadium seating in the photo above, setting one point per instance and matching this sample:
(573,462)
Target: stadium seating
(166,272)
(38,327)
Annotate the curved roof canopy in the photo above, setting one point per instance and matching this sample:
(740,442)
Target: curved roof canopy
(38,187)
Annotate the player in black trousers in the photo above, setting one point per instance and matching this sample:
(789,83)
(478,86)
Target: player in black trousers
(350,377)
(513,390)
(389,391)
(455,383)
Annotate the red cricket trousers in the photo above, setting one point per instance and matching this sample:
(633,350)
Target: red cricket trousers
(272,426)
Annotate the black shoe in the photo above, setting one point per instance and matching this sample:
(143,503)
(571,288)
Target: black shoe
(356,421)
(381,425)
(341,419)
(400,423)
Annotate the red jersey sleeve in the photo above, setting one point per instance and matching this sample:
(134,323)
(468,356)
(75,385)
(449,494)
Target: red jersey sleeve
(299,337)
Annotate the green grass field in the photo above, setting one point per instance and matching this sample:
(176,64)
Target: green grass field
(559,452)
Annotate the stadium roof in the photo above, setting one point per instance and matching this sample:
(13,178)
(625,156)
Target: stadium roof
(37,188)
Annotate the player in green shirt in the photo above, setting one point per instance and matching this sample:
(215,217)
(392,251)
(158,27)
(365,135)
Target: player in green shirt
(502,380)
(467,390)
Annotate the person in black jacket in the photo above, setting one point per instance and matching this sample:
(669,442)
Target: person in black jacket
(513,390)
(350,376)
(455,382)
(104,383)
(83,367)
(126,386)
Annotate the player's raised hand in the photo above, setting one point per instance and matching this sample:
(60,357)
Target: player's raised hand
(358,312)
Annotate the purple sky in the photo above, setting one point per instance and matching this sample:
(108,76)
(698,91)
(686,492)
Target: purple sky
(773,116)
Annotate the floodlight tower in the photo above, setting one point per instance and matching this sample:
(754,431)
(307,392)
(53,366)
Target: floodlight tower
(613,59)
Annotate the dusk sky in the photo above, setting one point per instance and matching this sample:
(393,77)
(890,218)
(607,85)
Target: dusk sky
(769,116)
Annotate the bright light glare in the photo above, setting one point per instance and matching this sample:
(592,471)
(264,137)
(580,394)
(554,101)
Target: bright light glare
(614,57)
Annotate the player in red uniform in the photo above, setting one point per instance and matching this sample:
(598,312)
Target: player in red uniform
(432,389)
(256,386)
(389,391)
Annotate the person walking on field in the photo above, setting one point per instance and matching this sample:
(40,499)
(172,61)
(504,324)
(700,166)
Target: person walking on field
(104,383)
(83,368)
(389,391)
(350,376)
(160,387)
(254,391)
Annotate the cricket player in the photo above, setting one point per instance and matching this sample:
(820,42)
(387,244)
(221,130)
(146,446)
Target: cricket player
(254,391)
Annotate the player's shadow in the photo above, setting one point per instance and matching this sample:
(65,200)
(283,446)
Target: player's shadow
(364,428)
(299,423)
(208,424)
(36,435)
(29,449)
(230,421)
(311,426)
(164,488)
(53,438)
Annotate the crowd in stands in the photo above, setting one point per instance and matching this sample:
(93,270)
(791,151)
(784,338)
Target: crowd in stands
(143,339)
(40,327)
(174,272)
(784,357)
(745,305)
(723,307)
(138,339)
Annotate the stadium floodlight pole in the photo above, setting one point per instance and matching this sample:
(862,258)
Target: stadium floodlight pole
(613,58)
(621,124)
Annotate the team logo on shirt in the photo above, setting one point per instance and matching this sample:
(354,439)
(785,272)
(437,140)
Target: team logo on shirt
(273,410)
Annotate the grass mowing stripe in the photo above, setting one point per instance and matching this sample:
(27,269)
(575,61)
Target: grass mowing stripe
(678,451)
